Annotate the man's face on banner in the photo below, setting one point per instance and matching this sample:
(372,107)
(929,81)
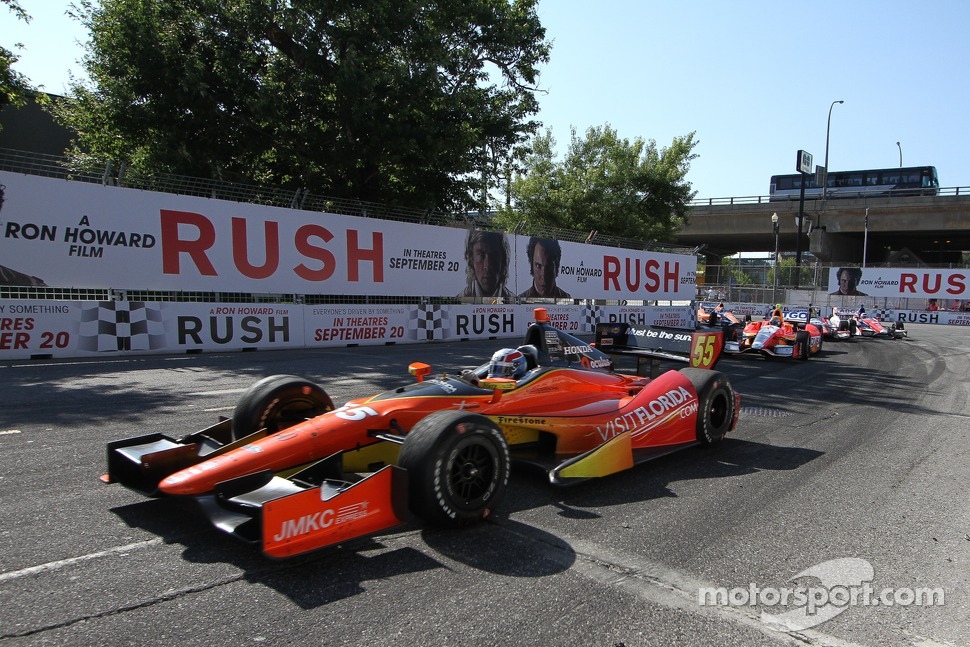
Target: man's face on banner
(486,260)
(543,271)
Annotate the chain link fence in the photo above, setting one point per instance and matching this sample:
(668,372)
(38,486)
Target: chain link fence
(117,174)
(753,281)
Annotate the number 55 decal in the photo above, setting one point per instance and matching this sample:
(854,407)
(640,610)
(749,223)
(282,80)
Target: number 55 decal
(706,349)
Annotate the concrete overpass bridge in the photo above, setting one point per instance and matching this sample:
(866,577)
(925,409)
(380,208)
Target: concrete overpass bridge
(901,229)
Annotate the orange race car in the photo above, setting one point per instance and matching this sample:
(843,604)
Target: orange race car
(775,336)
(720,317)
(292,473)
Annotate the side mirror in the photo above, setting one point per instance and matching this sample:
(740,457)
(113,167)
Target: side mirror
(419,370)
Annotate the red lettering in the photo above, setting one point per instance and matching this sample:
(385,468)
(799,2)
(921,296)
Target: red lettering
(956,283)
(671,276)
(17,323)
(653,279)
(907,282)
(305,247)
(653,276)
(173,245)
(240,249)
(936,284)
(611,273)
(14,341)
(355,255)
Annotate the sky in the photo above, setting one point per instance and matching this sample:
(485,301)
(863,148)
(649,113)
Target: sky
(754,80)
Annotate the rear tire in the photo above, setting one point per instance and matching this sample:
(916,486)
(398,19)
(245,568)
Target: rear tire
(458,467)
(715,403)
(277,402)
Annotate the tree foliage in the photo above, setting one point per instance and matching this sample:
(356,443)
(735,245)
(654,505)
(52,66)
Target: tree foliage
(398,101)
(788,274)
(604,183)
(14,86)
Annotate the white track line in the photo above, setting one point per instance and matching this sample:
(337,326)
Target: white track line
(54,566)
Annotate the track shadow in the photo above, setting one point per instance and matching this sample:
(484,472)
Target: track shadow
(312,580)
(126,390)
(730,458)
(502,547)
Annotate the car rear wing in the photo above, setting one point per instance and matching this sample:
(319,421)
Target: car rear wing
(651,345)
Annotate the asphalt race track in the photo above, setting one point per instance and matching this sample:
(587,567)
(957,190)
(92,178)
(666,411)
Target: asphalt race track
(859,455)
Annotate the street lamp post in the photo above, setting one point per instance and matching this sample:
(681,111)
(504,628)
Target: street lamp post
(828,125)
(900,154)
(774,283)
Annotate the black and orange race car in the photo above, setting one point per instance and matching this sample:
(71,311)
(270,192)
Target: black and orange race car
(293,473)
(717,317)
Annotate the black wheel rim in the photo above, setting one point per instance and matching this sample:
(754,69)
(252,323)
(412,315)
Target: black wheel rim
(471,472)
(719,411)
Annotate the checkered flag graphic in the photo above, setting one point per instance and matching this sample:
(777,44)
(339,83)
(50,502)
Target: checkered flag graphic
(121,326)
(428,322)
(592,314)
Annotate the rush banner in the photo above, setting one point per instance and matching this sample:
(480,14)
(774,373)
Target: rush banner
(64,234)
(927,283)
(61,329)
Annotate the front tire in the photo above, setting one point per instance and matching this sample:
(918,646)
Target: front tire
(715,404)
(804,344)
(458,467)
(277,402)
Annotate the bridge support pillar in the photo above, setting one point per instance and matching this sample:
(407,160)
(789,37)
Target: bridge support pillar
(835,248)
(714,272)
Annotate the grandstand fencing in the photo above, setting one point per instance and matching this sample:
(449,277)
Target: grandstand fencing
(752,281)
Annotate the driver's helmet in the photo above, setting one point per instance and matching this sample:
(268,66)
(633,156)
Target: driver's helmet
(531,355)
(507,362)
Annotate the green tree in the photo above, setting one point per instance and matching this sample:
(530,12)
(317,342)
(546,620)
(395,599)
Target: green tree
(787,273)
(14,86)
(740,277)
(604,183)
(399,101)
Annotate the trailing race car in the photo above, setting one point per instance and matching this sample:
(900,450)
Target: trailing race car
(872,327)
(834,328)
(726,320)
(717,317)
(292,473)
(775,337)
(650,345)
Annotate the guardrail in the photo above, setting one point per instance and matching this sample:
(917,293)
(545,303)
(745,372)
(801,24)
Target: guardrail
(764,199)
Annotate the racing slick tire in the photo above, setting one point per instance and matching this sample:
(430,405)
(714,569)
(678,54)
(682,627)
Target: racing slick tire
(458,467)
(715,403)
(803,343)
(277,402)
